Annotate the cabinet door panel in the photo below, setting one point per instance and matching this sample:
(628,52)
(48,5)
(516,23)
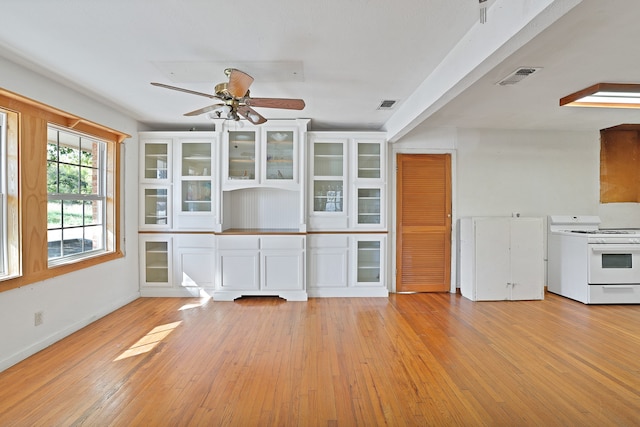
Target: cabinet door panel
(196,267)
(238,270)
(492,259)
(155,257)
(283,270)
(527,264)
(328,268)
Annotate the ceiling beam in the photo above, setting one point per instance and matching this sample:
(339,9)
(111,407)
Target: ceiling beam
(511,24)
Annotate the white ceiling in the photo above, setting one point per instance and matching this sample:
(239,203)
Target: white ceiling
(342,57)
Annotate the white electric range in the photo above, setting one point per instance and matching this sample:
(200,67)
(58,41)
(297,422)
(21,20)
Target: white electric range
(592,265)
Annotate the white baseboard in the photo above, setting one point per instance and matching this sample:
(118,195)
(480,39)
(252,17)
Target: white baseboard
(57,336)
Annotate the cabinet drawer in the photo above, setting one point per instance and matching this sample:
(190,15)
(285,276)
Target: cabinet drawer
(239,242)
(282,242)
(328,241)
(614,294)
(195,241)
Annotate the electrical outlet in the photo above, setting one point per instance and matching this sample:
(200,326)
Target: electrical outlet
(38,318)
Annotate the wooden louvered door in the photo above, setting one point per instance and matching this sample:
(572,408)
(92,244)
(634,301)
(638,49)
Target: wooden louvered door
(423,246)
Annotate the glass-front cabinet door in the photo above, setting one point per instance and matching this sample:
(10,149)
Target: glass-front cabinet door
(156,261)
(369,206)
(280,156)
(156,161)
(328,176)
(369,160)
(195,185)
(369,256)
(195,176)
(156,207)
(328,198)
(241,156)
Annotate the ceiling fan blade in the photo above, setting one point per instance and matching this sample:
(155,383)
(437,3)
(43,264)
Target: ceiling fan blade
(239,83)
(192,92)
(250,114)
(286,103)
(205,110)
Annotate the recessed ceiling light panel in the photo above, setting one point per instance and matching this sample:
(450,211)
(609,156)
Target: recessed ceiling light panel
(605,95)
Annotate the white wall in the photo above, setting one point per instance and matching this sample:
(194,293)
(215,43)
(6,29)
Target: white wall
(71,301)
(533,173)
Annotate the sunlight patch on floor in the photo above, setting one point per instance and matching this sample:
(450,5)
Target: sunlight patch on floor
(149,341)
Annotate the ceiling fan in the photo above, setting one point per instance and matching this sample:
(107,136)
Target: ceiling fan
(236,101)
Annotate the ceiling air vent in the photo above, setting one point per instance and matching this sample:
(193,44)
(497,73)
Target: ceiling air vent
(387,104)
(518,75)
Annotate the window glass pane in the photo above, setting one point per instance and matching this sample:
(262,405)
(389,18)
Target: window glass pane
(92,212)
(52,150)
(70,153)
(55,243)
(68,179)
(71,213)
(54,214)
(73,241)
(89,153)
(93,238)
(89,181)
(52,177)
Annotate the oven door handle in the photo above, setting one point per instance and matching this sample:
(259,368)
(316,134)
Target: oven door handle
(615,248)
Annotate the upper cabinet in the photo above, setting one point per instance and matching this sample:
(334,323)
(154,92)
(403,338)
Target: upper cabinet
(155,155)
(178,180)
(328,192)
(347,181)
(268,155)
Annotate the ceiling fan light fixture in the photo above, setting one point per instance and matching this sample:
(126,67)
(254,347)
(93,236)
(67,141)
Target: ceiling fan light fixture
(253,117)
(605,95)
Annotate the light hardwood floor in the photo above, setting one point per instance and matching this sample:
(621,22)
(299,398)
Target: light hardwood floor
(415,360)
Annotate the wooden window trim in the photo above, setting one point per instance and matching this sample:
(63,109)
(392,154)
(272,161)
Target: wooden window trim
(32,120)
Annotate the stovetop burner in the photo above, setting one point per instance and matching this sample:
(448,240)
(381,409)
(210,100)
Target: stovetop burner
(607,231)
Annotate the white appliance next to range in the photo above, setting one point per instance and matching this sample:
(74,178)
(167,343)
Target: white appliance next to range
(592,265)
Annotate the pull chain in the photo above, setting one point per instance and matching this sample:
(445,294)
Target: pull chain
(483,11)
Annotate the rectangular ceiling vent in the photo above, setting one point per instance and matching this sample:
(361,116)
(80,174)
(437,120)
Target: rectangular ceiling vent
(518,75)
(387,104)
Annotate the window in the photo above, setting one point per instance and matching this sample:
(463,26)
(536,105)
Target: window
(3,192)
(76,195)
(62,208)
(10,244)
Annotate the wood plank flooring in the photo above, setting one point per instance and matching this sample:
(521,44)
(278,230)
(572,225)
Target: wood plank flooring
(409,360)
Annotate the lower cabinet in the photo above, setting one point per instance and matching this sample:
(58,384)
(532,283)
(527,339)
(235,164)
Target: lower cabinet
(291,266)
(155,263)
(343,265)
(176,265)
(271,265)
(501,258)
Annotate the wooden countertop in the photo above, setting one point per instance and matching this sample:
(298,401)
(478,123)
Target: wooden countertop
(263,231)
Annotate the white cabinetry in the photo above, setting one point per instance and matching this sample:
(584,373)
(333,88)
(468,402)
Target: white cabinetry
(347,213)
(260,265)
(501,258)
(178,185)
(176,265)
(268,155)
(263,175)
(347,181)
(342,265)
(156,265)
